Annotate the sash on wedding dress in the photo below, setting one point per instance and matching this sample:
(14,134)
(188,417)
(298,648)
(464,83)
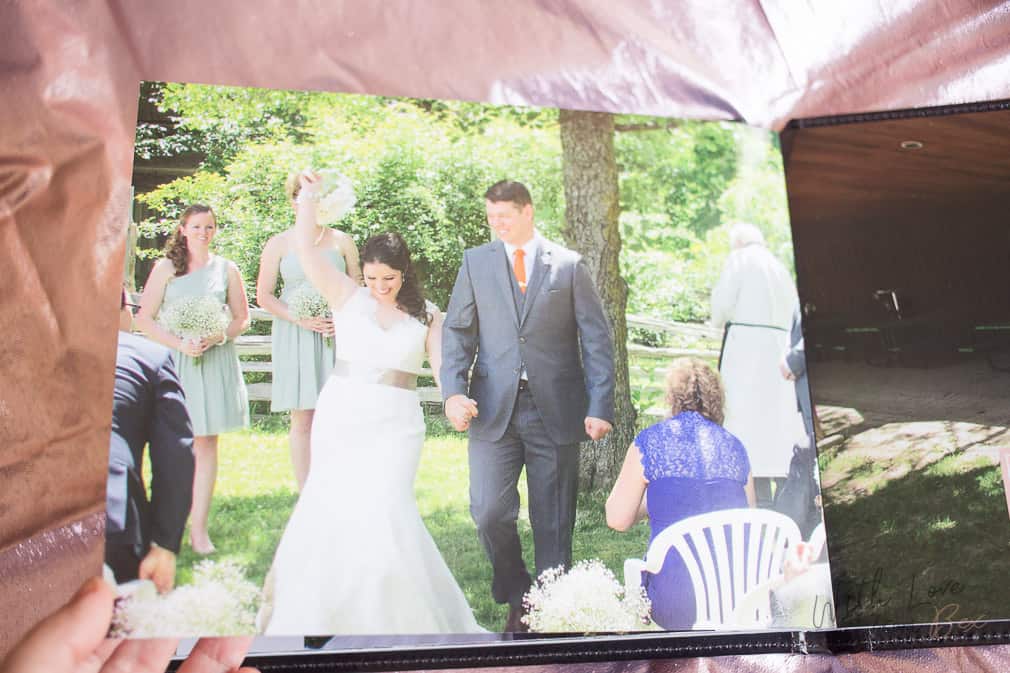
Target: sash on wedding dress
(367,373)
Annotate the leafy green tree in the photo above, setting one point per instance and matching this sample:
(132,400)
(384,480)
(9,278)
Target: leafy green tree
(414,172)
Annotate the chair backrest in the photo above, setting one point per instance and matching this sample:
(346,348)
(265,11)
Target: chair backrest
(818,538)
(728,553)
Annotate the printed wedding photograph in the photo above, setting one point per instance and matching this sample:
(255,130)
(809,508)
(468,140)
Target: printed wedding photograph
(439,369)
(901,244)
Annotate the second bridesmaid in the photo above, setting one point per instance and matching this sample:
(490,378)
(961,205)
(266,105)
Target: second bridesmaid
(302,348)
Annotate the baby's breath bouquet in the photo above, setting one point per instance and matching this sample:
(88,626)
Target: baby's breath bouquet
(586,599)
(306,302)
(194,318)
(219,602)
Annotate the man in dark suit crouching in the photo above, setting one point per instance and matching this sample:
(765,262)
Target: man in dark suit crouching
(142,537)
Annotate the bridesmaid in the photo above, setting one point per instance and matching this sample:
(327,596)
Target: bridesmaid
(301,358)
(215,391)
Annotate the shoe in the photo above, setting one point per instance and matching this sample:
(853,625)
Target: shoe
(514,623)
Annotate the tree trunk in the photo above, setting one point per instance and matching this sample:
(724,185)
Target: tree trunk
(591,228)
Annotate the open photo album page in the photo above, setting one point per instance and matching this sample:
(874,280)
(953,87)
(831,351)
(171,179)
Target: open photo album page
(432,368)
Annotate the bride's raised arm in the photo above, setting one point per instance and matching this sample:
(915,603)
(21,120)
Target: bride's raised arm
(332,283)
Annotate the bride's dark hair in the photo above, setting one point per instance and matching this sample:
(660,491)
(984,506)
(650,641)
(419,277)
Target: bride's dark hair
(390,249)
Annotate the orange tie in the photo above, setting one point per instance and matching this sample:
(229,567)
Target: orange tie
(520,269)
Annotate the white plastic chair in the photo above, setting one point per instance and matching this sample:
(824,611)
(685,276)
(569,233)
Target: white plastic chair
(733,557)
(818,538)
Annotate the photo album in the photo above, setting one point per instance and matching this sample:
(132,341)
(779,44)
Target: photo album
(401,374)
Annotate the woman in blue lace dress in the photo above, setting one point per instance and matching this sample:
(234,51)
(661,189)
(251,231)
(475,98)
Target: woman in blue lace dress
(685,465)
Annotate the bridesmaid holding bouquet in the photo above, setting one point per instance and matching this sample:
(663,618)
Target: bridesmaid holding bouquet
(302,335)
(179,290)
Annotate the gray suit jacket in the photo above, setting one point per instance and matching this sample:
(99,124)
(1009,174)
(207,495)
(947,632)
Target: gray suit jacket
(796,360)
(561,334)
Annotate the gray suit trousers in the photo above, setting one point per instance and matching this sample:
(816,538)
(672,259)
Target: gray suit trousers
(552,481)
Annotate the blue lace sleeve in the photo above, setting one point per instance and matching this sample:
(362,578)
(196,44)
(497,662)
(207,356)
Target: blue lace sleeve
(644,442)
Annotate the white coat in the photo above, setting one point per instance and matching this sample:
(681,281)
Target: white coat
(756,297)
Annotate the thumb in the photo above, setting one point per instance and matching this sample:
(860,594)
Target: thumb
(68,637)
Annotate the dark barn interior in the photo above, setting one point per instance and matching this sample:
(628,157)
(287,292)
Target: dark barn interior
(901,229)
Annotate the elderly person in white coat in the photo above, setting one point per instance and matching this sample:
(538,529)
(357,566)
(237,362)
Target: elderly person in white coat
(754,301)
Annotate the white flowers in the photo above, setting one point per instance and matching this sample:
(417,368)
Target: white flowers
(336,197)
(220,602)
(586,599)
(194,318)
(306,302)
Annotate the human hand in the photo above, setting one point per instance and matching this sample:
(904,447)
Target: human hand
(72,640)
(159,567)
(787,373)
(459,409)
(330,329)
(798,560)
(315,324)
(310,182)
(597,428)
(192,347)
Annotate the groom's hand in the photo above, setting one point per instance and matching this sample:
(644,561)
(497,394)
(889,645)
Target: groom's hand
(597,428)
(459,409)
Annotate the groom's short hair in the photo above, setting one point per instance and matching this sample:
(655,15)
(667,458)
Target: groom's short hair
(509,190)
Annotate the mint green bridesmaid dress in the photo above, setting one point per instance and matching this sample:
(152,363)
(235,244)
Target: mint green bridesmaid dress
(215,391)
(302,361)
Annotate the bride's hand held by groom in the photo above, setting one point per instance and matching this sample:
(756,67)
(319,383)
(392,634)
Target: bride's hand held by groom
(459,409)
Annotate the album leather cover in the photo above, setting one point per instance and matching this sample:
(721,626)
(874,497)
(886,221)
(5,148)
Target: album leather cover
(739,392)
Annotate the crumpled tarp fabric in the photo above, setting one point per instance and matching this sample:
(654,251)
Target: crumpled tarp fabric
(69,75)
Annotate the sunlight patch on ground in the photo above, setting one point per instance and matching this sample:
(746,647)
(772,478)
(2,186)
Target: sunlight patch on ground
(874,457)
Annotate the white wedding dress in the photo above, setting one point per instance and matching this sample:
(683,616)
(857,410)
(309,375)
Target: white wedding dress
(356,557)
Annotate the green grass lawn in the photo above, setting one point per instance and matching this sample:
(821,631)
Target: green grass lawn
(256,493)
(915,539)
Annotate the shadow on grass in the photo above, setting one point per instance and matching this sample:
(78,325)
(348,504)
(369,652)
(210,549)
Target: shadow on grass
(933,544)
(247,530)
(456,537)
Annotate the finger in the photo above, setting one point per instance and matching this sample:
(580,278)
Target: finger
(216,655)
(70,638)
(143,655)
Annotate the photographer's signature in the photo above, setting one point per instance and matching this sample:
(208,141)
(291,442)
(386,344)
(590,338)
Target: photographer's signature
(919,601)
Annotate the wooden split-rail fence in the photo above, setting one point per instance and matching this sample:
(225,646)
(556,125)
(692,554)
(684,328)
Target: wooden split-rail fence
(650,369)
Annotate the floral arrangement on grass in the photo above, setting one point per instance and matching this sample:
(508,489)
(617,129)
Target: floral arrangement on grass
(194,318)
(306,302)
(586,599)
(219,602)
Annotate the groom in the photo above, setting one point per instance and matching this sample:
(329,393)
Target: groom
(543,381)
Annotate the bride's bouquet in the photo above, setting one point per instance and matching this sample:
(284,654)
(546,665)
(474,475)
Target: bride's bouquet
(306,302)
(194,318)
(336,197)
(219,602)
(586,599)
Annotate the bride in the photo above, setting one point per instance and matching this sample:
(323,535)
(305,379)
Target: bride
(356,557)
